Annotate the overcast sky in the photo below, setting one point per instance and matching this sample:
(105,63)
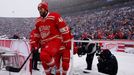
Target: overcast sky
(19,8)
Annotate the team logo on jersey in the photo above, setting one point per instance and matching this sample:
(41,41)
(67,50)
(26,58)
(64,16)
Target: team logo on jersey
(44,31)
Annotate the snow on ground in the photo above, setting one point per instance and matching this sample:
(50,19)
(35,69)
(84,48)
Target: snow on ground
(125,65)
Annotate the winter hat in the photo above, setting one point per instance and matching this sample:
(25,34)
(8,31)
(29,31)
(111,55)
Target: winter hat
(43,5)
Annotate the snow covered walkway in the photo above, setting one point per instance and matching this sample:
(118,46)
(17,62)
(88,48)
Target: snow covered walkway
(125,65)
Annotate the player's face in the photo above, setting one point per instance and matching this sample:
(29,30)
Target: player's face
(42,12)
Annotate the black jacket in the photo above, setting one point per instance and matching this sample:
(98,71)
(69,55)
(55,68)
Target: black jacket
(108,64)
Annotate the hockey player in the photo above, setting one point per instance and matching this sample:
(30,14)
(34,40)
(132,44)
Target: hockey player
(35,45)
(34,41)
(53,32)
(63,57)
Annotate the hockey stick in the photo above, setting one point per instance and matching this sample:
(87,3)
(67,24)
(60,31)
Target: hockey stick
(13,69)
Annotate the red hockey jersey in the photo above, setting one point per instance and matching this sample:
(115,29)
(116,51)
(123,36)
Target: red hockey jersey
(34,39)
(51,27)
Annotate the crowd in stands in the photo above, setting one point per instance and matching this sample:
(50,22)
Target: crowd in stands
(16,26)
(111,23)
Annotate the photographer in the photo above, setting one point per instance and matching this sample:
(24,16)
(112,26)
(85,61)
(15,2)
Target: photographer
(89,49)
(107,62)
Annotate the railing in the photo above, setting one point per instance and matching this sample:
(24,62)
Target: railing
(13,52)
(107,44)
